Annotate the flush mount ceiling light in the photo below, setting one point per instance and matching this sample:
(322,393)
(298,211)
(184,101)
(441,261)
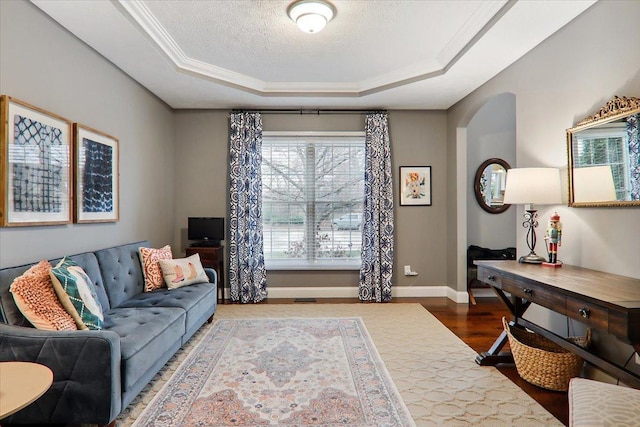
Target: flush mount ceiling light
(311,15)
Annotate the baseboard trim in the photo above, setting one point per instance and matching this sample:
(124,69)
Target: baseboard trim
(352,292)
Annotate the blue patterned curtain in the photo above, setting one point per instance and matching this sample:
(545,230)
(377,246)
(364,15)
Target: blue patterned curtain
(377,230)
(247,274)
(633,134)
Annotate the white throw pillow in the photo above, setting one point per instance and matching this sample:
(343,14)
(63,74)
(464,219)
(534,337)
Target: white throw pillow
(183,271)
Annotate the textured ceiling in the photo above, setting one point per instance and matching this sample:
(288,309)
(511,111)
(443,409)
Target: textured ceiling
(374,54)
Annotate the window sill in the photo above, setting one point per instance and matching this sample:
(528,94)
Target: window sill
(283,265)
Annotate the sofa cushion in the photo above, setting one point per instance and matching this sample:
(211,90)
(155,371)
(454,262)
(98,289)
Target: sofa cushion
(151,270)
(145,334)
(196,300)
(121,272)
(34,295)
(183,271)
(77,294)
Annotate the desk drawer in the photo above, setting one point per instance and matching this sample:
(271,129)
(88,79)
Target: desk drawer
(536,294)
(490,277)
(590,314)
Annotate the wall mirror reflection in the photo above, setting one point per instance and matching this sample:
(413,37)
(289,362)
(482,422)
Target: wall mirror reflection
(489,184)
(604,156)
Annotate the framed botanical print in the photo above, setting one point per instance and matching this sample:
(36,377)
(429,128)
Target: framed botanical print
(415,185)
(96,175)
(35,176)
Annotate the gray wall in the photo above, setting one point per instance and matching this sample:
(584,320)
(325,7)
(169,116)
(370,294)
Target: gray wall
(491,134)
(418,139)
(566,78)
(44,65)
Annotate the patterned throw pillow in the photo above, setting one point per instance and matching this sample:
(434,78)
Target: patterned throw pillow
(36,299)
(149,258)
(77,294)
(183,272)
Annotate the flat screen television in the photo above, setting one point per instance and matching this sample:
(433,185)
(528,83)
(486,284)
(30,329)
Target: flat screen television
(207,231)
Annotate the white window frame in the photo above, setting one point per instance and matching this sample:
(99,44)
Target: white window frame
(304,264)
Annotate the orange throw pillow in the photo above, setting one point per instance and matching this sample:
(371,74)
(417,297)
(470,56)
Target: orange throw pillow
(149,258)
(38,302)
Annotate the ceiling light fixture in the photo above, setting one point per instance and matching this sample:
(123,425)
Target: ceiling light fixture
(311,15)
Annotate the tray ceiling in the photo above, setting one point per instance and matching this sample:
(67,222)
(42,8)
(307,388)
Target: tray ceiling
(373,54)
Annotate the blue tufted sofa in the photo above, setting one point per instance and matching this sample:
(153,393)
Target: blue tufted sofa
(96,374)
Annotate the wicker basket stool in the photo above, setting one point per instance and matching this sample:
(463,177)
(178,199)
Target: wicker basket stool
(542,362)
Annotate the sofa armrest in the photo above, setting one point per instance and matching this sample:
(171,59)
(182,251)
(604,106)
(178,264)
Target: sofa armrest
(86,374)
(212,275)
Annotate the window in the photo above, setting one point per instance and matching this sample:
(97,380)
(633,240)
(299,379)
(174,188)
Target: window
(606,147)
(312,199)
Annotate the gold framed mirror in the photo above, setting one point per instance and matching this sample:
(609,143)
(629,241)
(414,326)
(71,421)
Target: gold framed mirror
(489,184)
(604,156)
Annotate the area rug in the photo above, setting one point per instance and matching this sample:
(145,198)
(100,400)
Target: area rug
(433,370)
(293,372)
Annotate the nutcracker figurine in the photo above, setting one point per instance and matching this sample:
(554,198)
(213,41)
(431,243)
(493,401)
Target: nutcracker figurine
(553,237)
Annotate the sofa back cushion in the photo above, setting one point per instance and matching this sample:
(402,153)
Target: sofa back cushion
(121,272)
(9,312)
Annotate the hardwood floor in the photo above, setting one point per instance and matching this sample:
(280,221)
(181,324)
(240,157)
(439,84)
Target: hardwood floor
(478,326)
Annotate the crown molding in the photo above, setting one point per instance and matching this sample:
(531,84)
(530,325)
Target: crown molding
(486,15)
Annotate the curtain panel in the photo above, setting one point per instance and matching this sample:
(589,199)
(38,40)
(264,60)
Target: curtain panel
(377,230)
(633,135)
(247,273)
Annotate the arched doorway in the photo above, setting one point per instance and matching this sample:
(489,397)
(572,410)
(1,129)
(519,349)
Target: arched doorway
(487,132)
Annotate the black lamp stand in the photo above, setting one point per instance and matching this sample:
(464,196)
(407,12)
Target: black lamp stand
(530,223)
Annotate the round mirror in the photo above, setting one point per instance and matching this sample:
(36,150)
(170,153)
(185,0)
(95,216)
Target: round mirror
(489,185)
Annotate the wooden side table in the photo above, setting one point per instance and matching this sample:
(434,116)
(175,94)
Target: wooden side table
(211,257)
(21,383)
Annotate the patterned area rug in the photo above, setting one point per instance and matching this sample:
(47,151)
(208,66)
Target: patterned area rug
(293,372)
(433,370)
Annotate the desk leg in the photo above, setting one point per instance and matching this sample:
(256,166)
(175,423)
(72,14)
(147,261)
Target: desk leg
(516,307)
(494,356)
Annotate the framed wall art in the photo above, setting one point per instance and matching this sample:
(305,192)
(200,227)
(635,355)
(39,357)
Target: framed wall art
(35,174)
(415,185)
(96,175)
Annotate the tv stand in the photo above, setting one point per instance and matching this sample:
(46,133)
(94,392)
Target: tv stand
(211,257)
(206,244)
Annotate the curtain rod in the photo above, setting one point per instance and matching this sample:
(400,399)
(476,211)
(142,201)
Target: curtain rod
(303,111)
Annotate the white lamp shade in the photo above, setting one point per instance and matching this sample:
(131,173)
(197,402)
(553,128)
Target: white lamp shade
(311,22)
(311,16)
(539,186)
(593,184)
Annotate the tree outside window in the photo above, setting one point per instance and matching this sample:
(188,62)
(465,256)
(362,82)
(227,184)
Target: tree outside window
(312,198)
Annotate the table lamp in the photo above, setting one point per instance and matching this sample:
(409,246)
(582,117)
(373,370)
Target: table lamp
(532,186)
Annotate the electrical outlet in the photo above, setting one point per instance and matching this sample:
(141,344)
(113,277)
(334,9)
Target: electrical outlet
(408,272)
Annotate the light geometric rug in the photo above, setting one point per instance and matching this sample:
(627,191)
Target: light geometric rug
(293,372)
(434,371)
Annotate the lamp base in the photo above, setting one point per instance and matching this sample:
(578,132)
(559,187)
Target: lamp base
(532,258)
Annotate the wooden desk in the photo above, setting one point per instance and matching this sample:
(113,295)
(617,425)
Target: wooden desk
(211,257)
(604,302)
(21,383)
